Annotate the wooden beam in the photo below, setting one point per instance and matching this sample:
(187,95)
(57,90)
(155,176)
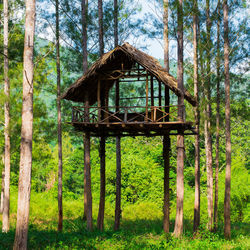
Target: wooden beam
(118,184)
(100,219)
(160,103)
(99,99)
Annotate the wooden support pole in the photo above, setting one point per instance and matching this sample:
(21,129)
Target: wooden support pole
(152,90)
(147,97)
(100,219)
(118,169)
(160,103)
(166,202)
(99,99)
(166,155)
(153,113)
(118,184)
(87,173)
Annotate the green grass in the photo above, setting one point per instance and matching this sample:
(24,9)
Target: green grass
(141,228)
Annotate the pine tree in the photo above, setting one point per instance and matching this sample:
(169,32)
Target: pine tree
(59,125)
(6,199)
(24,183)
(227,219)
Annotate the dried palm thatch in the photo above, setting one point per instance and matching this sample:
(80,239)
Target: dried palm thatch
(127,56)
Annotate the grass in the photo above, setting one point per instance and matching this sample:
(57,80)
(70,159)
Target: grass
(141,228)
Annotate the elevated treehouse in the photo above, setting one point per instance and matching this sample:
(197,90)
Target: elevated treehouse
(126,93)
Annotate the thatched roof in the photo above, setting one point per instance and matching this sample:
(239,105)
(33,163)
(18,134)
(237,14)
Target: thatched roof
(128,56)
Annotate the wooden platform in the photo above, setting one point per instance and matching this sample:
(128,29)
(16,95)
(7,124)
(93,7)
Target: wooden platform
(135,128)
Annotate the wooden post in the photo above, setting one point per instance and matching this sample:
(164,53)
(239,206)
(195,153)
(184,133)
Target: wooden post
(118,184)
(166,155)
(147,96)
(118,169)
(87,171)
(99,99)
(166,202)
(100,219)
(160,94)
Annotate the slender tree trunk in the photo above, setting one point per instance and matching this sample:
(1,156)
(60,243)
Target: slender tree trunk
(84,6)
(208,138)
(26,130)
(84,35)
(100,30)
(217,160)
(116,23)
(2,192)
(197,122)
(118,139)
(59,125)
(100,219)
(118,184)
(166,138)
(6,200)
(178,230)
(227,219)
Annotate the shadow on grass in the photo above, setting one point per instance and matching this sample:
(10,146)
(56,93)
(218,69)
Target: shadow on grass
(134,234)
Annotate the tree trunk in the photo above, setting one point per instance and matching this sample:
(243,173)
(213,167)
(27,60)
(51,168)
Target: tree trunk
(2,192)
(178,230)
(100,30)
(116,23)
(217,160)
(118,184)
(6,200)
(100,218)
(166,138)
(118,139)
(84,6)
(59,125)
(26,130)
(84,35)
(207,127)
(197,122)
(227,219)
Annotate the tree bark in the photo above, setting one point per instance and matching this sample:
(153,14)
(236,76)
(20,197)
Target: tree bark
(207,126)
(84,6)
(166,138)
(178,230)
(116,38)
(84,34)
(197,121)
(217,160)
(227,219)
(118,184)
(26,130)
(6,200)
(100,218)
(2,192)
(100,30)
(59,123)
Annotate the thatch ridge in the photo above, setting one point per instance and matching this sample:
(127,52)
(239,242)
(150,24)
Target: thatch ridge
(88,81)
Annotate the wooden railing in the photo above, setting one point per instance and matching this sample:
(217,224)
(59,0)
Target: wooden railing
(125,115)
